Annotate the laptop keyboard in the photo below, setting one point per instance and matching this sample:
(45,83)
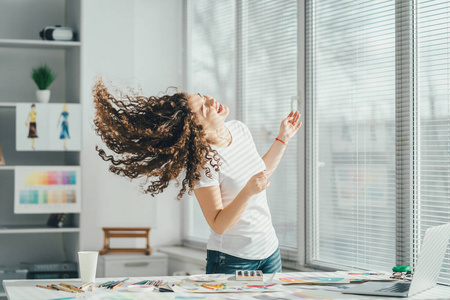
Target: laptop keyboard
(398,287)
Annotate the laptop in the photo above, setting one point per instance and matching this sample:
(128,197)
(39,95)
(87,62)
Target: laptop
(429,265)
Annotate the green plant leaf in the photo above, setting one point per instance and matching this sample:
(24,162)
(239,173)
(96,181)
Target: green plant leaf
(43,76)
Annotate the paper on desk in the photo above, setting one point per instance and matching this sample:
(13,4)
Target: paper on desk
(210,277)
(229,287)
(145,296)
(310,278)
(298,294)
(380,276)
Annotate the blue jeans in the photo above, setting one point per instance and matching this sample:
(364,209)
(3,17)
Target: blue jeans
(218,262)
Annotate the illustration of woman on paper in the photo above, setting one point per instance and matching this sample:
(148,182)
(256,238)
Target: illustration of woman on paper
(32,131)
(64,121)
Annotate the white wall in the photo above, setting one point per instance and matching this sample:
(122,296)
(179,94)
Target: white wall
(131,42)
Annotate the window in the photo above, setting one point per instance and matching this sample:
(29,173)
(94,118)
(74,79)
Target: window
(245,54)
(351,93)
(268,82)
(378,76)
(432,36)
(211,70)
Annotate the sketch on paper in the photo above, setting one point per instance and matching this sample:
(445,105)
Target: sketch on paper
(65,127)
(48,127)
(32,125)
(63,122)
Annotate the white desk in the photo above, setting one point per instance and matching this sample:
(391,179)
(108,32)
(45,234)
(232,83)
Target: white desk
(26,289)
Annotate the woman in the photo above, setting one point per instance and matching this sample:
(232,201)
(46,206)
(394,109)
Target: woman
(185,135)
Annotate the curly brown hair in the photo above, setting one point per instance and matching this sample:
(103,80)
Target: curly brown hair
(156,136)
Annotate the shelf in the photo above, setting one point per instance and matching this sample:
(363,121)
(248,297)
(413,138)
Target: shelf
(35,229)
(13,43)
(13,168)
(8,104)
(7,168)
(14,104)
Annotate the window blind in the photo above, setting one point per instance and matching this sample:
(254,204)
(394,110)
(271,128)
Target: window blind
(268,81)
(211,70)
(350,89)
(432,42)
(244,53)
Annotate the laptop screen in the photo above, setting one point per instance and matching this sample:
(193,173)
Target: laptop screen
(430,259)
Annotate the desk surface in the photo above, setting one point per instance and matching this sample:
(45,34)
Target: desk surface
(26,289)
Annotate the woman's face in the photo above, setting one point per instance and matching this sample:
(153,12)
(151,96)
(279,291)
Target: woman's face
(210,113)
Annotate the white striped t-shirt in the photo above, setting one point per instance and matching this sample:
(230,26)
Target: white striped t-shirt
(253,236)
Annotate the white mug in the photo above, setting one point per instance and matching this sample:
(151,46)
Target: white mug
(88,265)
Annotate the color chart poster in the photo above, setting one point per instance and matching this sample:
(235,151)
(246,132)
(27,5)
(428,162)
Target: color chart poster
(52,189)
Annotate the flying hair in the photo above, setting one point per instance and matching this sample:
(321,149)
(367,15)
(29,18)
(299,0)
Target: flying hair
(157,138)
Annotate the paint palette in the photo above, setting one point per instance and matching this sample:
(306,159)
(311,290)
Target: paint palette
(249,275)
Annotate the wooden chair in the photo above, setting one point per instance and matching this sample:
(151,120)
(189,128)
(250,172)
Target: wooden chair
(121,232)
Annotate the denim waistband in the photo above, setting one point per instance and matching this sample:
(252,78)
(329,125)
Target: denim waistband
(213,256)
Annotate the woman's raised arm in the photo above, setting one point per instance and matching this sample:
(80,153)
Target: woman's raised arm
(288,128)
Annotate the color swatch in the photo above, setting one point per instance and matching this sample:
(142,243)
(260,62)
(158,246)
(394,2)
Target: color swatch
(47,196)
(51,178)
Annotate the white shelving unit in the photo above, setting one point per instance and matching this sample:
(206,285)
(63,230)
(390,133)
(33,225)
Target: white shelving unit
(13,43)
(8,104)
(6,168)
(35,229)
(26,237)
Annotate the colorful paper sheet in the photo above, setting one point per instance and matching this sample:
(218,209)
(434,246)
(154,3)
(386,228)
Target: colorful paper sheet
(314,278)
(231,287)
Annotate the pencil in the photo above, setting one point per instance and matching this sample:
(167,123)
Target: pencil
(63,288)
(46,287)
(178,283)
(164,283)
(102,284)
(117,285)
(85,285)
(71,287)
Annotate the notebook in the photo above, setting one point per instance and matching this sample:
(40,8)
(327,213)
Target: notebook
(429,263)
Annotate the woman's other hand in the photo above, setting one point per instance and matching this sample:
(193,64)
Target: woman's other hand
(257,183)
(289,126)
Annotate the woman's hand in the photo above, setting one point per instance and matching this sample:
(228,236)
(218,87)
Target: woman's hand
(257,183)
(289,126)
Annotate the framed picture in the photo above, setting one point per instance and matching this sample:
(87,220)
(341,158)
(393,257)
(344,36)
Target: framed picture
(2,158)
(47,189)
(48,127)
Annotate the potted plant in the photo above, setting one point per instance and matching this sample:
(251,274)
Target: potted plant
(43,76)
